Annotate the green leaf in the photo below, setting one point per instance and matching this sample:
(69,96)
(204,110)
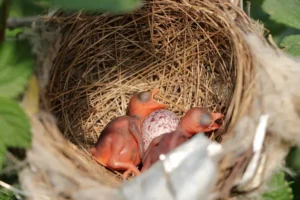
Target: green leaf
(279,188)
(16,66)
(284,11)
(15,126)
(6,194)
(114,6)
(292,44)
(2,154)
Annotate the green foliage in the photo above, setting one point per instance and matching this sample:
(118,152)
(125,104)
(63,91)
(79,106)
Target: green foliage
(284,11)
(292,44)
(16,67)
(2,153)
(279,188)
(114,6)
(15,128)
(6,194)
(278,30)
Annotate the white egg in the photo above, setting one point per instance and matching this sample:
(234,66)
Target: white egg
(157,123)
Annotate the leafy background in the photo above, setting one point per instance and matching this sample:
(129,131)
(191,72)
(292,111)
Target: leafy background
(280,17)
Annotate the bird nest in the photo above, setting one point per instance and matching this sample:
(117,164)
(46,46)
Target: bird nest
(193,51)
(188,53)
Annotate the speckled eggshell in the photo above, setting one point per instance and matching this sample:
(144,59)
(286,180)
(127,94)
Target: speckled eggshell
(157,123)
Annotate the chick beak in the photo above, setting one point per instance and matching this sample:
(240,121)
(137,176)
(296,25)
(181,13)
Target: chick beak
(217,116)
(154,104)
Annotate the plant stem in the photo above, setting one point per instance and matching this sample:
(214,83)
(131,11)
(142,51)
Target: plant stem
(15,22)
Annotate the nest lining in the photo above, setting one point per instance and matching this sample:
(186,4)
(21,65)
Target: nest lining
(191,53)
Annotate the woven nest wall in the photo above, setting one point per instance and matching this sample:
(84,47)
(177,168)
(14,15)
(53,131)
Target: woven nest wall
(192,51)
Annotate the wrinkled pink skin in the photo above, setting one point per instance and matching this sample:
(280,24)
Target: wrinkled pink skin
(158,123)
